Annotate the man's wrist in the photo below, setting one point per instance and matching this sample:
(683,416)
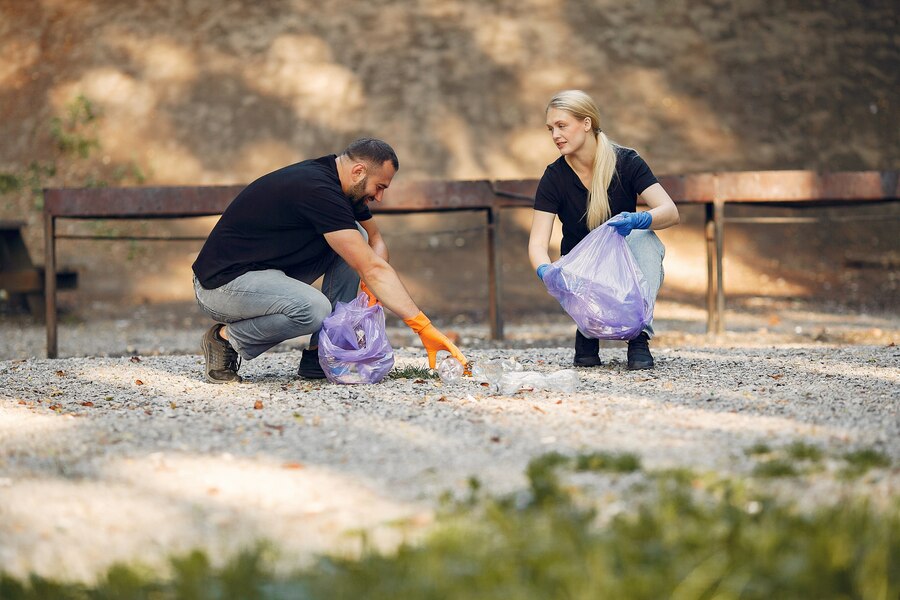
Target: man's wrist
(418,322)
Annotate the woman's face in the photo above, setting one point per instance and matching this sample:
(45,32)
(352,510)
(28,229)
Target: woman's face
(568,133)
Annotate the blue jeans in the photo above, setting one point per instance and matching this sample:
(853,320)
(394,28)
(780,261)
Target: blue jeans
(265,308)
(648,252)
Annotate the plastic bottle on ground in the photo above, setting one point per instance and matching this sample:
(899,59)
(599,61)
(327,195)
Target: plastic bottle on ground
(565,381)
(450,369)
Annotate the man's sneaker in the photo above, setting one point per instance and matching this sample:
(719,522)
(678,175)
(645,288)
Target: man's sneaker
(309,365)
(587,351)
(222,361)
(639,356)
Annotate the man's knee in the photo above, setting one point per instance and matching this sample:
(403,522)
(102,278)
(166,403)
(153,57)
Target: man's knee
(309,312)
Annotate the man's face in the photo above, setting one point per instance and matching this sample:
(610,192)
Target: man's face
(372,183)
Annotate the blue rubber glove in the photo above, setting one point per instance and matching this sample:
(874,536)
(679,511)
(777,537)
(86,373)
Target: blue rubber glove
(541,270)
(624,222)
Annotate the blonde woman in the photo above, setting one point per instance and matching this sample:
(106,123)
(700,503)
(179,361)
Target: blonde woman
(593,180)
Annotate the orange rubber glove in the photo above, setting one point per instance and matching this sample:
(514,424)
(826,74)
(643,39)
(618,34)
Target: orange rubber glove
(433,340)
(372,299)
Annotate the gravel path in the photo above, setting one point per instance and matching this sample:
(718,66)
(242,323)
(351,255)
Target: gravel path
(133,458)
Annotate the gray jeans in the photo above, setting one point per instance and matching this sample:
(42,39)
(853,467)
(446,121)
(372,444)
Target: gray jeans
(648,252)
(265,308)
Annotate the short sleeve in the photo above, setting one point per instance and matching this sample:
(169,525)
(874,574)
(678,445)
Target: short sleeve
(641,177)
(546,198)
(328,211)
(362,212)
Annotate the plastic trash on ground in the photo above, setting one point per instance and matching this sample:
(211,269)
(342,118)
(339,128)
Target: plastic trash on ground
(565,380)
(601,287)
(490,371)
(450,369)
(353,344)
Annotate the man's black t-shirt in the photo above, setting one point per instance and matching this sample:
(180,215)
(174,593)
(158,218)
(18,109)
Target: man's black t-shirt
(278,222)
(561,192)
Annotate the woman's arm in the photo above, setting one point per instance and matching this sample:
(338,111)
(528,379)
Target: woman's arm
(539,240)
(662,208)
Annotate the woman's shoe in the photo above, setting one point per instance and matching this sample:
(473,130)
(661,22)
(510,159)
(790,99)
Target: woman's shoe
(639,356)
(587,351)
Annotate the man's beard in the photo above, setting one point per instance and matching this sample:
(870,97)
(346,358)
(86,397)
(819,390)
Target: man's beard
(357,193)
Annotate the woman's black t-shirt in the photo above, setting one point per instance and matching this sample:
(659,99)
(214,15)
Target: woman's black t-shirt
(561,192)
(278,222)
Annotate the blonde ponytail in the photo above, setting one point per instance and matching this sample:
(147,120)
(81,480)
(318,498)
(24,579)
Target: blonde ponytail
(582,106)
(598,211)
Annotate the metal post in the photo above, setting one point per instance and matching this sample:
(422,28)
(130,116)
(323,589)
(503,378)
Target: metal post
(493,248)
(719,218)
(709,229)
(50,282)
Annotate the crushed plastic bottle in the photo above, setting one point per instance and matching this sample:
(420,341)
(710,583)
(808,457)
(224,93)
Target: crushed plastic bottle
(491,371)
(511,382)
(450,369)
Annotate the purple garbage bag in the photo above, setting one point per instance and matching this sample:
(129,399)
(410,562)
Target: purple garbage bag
(353,344)
(601,287)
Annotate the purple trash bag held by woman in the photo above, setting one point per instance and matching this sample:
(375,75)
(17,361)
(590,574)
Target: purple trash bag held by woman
(353,344)
(601,287)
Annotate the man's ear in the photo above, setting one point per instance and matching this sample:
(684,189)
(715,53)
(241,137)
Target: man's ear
(358,171)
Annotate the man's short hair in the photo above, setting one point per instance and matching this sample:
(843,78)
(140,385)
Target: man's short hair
(372,150)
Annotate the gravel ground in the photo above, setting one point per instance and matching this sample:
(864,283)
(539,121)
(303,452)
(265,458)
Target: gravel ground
(133,457)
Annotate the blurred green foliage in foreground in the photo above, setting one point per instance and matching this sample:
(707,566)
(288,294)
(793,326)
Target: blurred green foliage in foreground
(678,536)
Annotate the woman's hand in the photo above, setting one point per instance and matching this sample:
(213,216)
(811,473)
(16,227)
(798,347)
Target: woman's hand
(624,222)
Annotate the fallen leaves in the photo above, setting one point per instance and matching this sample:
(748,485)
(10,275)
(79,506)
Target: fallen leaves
(293,466)
(258,405)
(138,382)
(87,403)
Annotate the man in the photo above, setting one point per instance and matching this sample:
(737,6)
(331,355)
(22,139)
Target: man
(281,233)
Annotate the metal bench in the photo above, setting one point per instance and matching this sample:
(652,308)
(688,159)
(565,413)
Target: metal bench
(712,190)
(787,189)
(184,202)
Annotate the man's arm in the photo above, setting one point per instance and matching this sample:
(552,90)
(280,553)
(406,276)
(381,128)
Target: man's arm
(386,285)
(376,242)
(373,269)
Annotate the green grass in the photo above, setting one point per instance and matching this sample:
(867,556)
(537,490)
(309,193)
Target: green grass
(860,461)
(802,451)
(676,540)
(412,372)
(758,448)
(777,467)
(607,461)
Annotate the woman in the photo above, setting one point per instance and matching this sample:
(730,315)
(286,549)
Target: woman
(592,181)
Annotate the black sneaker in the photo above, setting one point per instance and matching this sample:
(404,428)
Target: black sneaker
(309,365)
(222,361)
(639,356)
(587,351)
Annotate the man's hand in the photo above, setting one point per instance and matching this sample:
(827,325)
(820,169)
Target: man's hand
(624,222)
(433,340)
(372,299)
